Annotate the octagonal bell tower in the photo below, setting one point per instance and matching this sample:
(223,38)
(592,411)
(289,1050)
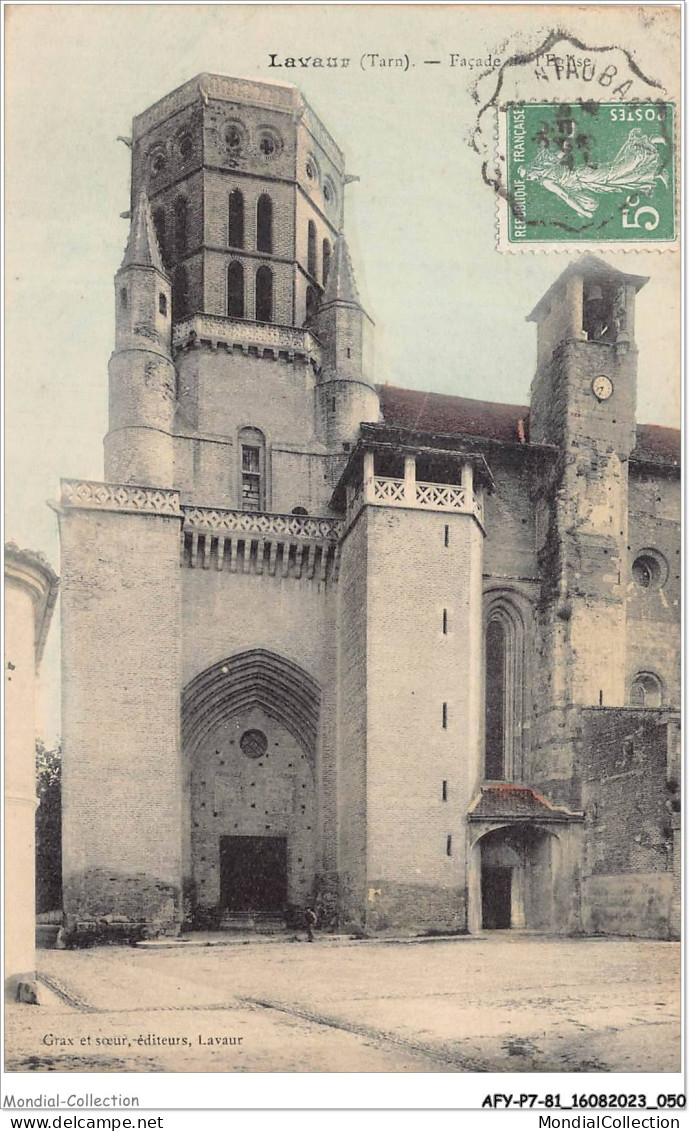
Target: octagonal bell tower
(246,189)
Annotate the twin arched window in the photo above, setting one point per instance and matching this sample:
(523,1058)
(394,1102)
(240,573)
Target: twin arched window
(264,221)
(263,310)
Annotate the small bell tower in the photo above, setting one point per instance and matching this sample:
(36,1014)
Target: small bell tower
(583,402)
(142,378)
(346,395)
(584,390)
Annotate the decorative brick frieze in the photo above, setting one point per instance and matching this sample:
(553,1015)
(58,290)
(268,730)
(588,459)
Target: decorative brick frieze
(265,525)
(282,545)
(265,338)
(92,495)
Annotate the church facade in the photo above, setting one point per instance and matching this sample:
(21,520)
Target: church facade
(410,658)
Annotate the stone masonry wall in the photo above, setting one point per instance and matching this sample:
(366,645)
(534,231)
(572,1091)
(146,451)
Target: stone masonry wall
(219,395)
(653,613)
(122,772)
(623,763)
(353,668)
(510,546)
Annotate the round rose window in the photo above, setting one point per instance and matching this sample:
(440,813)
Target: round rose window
(253,743)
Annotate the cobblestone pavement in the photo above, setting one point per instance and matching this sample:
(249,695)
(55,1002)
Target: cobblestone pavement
(502,1002)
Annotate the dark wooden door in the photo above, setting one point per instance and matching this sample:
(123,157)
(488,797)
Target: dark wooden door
(496,897)
(253,873)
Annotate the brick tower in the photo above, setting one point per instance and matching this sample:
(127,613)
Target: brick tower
(240,374)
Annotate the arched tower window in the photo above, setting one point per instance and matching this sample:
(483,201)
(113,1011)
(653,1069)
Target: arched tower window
(252,453)
(264,295)
(181,225)
(180,294)
(505,688)
(264,224)
(311,250)
(311,303)
(646,691)
(235,290)
(235,227)
(159,225)
(327,254)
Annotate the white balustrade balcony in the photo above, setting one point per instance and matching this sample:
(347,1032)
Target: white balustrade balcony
(407,492)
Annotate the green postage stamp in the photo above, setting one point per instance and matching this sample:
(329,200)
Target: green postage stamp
(582,172)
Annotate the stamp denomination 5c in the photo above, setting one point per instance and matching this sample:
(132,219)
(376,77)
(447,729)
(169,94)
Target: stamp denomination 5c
(585,172)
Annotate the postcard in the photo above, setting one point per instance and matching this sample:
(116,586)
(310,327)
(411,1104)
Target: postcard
(342,563)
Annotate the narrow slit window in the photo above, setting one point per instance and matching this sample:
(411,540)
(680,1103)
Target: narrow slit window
(444,791)
(447,535)
(448,844)
(327,253)
(162,304)
(311,250)
(444,716)
(444,622)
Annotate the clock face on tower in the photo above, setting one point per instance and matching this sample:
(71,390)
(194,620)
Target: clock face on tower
(602,388)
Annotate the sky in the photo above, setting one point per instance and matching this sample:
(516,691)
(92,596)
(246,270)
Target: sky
(449,307)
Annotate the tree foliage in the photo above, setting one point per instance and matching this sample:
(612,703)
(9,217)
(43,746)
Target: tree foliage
(48,827)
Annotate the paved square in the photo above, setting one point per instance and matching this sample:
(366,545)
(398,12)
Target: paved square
(501,1002)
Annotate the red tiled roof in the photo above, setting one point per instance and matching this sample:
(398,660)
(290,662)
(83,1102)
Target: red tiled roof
(423,411)
(657,443)
(516,801)
(451,416)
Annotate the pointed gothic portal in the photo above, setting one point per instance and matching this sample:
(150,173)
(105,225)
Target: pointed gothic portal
(250,730)
(518,867)
(256,677)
